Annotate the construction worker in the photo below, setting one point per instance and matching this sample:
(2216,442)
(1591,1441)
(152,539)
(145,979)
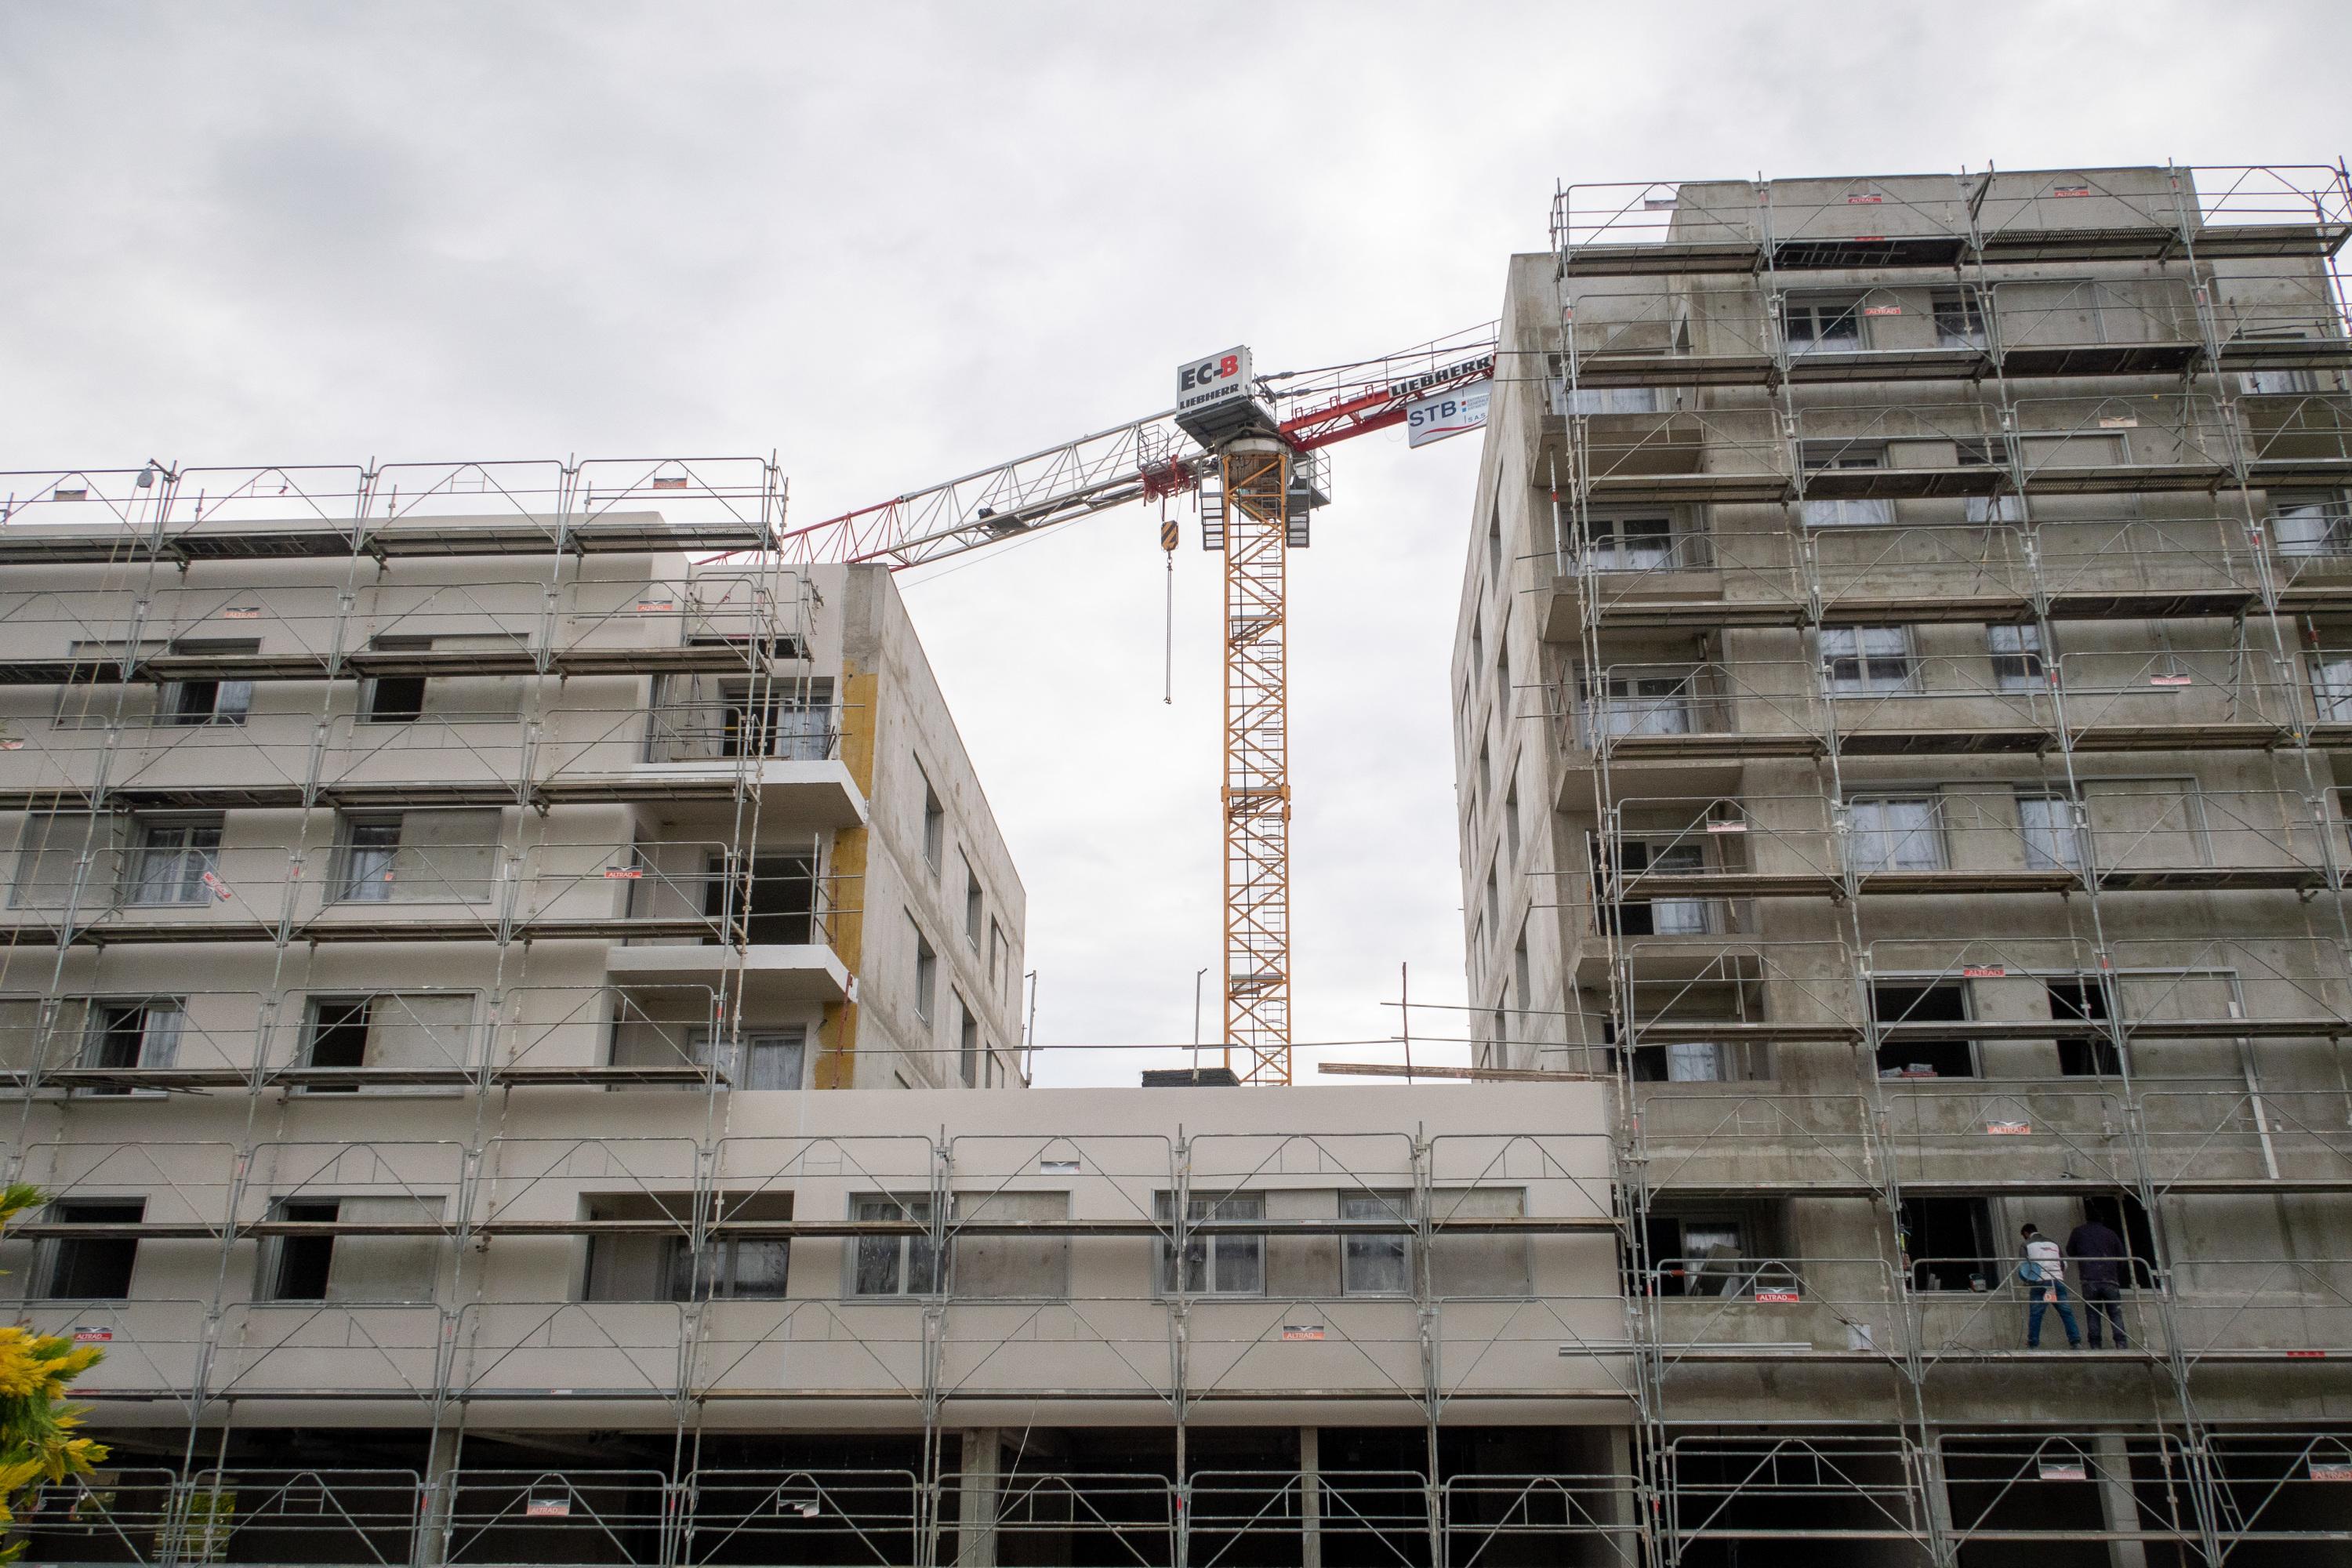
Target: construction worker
(2043,1271)
(2099,1255)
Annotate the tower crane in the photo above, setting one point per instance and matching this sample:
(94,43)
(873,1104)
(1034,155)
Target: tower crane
(1250,448)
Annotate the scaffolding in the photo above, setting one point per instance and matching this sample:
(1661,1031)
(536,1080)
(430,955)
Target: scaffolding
(1000,1316)
(504,1155)
(155,667)
(2127,403)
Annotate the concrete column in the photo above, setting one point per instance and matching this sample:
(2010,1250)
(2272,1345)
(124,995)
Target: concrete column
(983,1450)
(1624,1506)
(2110,1464)
(1310,1496)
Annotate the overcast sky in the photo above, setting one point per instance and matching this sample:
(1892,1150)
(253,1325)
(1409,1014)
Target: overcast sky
(895,243)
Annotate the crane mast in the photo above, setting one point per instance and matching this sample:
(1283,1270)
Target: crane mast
(1254,474)
(1250,447)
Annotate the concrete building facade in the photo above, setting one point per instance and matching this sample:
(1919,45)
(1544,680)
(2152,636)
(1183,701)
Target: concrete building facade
(431,927)
(577,802)
(1900,718)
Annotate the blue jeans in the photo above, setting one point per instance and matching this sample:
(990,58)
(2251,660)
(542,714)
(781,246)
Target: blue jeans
(2033,1314)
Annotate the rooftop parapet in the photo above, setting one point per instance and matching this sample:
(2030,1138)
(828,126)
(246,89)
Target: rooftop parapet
(1945,219)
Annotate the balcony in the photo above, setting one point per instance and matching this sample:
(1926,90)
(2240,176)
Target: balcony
(763,972)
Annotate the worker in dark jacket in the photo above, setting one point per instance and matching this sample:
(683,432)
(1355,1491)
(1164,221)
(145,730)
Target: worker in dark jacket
(2100,1258)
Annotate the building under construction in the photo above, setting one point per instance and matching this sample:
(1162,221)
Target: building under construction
(1903,700)
(473,931)
(438,898)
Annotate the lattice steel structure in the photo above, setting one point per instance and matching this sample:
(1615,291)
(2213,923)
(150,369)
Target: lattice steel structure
(1252,503)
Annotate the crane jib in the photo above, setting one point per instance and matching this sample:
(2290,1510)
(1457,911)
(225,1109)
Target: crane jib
(1259,480)
(1484,365)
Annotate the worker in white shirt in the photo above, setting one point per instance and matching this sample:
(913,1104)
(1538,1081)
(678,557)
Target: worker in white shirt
(2042,1272)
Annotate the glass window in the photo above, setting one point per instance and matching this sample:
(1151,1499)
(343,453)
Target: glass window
(1218,1263)
(140,1034)
(2007,506)
(1377,1264)
(2016,659)
(1845,512)
(893,1265)
(1895,836)
(791,718)
(1820,324)
(1629,545)
(1670,916)
(1866,658)
(1645,703)
(2280,380)
(768,1059)
(2052,840)
(2311,525)
(1959,325)
(175,861)
(2331,687)
(209,702)
(742,1268)
(370,847)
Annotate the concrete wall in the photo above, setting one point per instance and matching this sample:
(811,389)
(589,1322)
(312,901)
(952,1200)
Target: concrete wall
(1064,1328)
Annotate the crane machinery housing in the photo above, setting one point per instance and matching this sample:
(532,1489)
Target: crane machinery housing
(1250,447)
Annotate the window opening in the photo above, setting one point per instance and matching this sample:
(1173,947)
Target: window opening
(1860,659)
(775,898)
(96,1268)
(1379,1264)
(370,846)
(1934,1052)
(2016,653)
(1947,1243)
(927,974)
(895,1265)
(2081,1054)
(1221,1263)
(1888,835)
(178,863)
